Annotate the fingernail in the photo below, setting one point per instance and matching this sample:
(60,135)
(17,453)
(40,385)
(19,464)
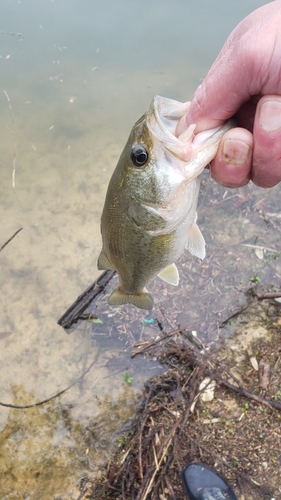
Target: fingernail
(270,115)
(235,152)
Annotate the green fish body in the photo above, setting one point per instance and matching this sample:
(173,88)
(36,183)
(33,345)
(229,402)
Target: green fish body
(149,215)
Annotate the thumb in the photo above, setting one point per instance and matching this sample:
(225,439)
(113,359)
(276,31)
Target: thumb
(213,102)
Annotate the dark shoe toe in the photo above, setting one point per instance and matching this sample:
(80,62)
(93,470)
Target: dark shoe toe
(202,483)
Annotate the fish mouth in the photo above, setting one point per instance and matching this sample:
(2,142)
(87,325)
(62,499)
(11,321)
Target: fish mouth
(162,120)
(167,113)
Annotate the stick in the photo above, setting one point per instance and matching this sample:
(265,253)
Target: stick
(157,466)
(10,239)
(243,392)
(240,310)
(269,295)
(15,146)
(143,346)
(52,397)
(73,313)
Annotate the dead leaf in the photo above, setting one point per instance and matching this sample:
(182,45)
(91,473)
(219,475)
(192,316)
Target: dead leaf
(254,363)
(208,389)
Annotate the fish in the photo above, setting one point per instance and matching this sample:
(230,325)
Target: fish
(149,215)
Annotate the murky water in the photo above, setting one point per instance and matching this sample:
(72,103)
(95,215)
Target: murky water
(75,76)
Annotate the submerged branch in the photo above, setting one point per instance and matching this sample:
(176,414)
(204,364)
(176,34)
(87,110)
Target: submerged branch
(75,311)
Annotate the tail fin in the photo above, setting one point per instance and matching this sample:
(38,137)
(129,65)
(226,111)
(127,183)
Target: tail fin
(142,300)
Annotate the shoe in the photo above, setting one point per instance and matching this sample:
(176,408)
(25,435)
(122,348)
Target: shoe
(202,483)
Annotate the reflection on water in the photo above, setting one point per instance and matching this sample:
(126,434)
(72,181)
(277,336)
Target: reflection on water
(75,76)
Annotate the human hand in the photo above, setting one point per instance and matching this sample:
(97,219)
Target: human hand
(245,82)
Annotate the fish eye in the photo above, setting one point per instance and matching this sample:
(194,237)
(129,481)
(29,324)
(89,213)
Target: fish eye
(139,156)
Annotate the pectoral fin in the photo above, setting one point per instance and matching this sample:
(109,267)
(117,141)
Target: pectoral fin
(170,274)
(103,262)
(195,242)
(142,300)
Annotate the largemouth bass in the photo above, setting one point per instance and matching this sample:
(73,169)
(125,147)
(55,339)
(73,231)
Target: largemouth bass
(149,215)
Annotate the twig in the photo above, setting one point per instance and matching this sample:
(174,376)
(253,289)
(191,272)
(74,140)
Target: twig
(193,339)
(171,491)
(157,466)
(239,388)
(269,295)
(148,345)
(258,246)
(145,488)
(10,239)
(141,432)
(259,298)
(15,146)
(243,392)
(238,311)
(18,407)
(165,317)
(200,357)
(74,312)
(143,485)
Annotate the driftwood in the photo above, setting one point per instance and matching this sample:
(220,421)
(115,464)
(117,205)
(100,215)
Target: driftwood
(75,311)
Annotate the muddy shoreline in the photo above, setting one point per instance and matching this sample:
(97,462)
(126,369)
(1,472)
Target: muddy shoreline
(236,431)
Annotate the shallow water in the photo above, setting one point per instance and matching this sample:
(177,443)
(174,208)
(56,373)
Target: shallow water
(75,76)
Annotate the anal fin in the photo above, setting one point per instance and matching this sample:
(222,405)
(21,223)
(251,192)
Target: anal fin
(170,274)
